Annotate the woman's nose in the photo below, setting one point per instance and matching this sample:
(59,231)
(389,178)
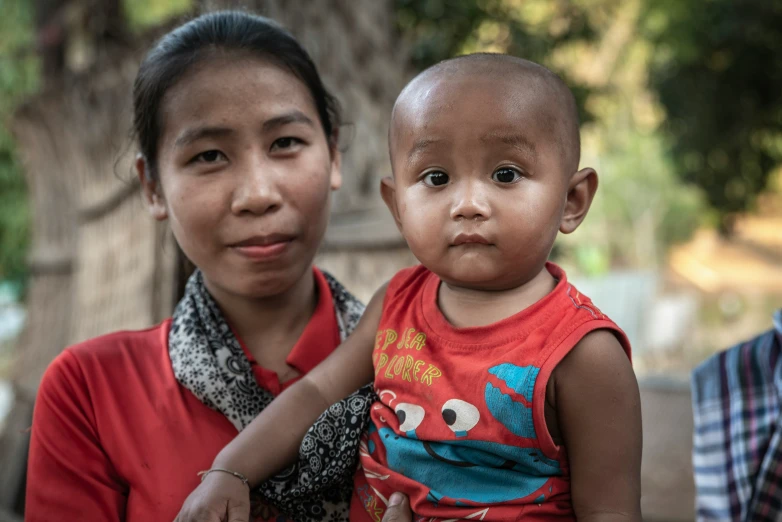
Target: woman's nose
(257,191)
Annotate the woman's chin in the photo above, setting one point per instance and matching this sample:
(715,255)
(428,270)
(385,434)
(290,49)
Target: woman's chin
(272,281)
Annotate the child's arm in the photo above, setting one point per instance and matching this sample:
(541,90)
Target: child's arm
(599,411)
(271,441)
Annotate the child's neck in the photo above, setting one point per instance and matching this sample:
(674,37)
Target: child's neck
(466,307)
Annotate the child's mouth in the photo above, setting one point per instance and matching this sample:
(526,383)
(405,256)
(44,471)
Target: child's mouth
(470,239)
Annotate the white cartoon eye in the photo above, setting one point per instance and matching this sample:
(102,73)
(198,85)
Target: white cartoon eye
(410,416)
(460,416)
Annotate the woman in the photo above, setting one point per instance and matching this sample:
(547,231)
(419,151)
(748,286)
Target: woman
(238,152)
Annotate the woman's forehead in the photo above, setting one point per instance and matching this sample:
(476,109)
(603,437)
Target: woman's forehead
(235,92)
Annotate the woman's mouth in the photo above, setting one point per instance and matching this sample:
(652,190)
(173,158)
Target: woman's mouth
(263,248)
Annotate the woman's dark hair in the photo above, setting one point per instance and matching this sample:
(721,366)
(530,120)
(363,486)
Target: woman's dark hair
(186,45)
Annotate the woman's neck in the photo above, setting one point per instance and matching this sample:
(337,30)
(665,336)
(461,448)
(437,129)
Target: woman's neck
(269,327)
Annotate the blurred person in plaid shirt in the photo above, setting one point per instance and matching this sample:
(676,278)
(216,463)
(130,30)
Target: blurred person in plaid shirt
(737,453)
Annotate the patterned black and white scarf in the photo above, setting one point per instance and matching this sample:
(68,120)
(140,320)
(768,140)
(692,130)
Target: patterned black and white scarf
(208,360)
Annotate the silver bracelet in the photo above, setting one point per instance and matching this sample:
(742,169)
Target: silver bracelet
(241,477)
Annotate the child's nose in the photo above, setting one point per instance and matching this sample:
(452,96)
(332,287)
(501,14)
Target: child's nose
(471,203)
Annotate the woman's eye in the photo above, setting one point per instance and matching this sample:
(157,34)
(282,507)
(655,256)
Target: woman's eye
(505,175)
(210,156)
(436,179)
(285,143)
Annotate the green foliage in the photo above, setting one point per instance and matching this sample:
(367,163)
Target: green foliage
(718,73)
(531,29)
(437,28)
(142,14)
(18,77)
(440,29)
(641,207)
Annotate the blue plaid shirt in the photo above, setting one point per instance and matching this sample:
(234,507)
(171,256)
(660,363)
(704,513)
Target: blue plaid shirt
(737,453)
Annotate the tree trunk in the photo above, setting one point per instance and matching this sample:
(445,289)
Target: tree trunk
(360,57)
(51,264)
(99,263)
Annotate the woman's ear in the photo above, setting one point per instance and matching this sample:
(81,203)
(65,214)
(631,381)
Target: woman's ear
(153,195)
(388,191)
(335,181)
(581,191)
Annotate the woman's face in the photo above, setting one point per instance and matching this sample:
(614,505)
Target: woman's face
(244,174)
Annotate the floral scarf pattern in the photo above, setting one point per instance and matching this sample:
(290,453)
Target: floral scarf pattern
(208,360)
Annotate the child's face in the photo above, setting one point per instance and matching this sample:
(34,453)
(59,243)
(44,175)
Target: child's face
(480,184)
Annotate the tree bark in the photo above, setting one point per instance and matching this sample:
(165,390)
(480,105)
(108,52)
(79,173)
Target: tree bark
(99,263)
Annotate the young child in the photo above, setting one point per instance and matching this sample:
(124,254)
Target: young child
(505,394)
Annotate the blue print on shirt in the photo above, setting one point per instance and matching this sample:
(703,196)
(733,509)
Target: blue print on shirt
(477,471)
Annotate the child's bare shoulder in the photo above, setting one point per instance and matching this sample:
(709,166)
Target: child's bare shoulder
(598,360)
(595,372)
(599,352)
(595,375)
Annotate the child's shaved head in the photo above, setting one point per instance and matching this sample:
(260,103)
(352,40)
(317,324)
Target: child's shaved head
(557,113)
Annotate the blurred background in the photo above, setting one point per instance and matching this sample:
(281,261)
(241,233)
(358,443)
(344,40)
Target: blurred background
(681,116)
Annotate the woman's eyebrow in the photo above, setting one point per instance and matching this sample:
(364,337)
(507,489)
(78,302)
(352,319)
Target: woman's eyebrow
(197,133)
(284,119)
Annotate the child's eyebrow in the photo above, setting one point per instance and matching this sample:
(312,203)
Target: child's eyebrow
(422,144)
(419,146)
(517,141)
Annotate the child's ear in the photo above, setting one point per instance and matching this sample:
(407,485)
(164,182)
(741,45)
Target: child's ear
(581,191)
(153,196)
(388,191)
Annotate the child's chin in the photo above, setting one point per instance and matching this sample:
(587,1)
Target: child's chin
(477,278)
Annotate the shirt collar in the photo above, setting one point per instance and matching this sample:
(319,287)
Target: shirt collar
(321,335)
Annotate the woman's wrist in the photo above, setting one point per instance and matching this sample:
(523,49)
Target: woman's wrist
(235,474)
(224,460)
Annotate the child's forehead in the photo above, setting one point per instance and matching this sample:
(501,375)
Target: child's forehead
(479,94)
(447,105)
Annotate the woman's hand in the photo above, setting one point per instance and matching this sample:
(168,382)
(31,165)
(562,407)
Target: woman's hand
(219,498)
(398,509)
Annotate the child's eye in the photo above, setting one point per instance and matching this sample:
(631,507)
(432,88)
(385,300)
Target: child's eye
(209,156)
(436,179)
(285,143)
(505,175)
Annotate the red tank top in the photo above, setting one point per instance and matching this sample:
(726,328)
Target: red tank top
(460,426)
